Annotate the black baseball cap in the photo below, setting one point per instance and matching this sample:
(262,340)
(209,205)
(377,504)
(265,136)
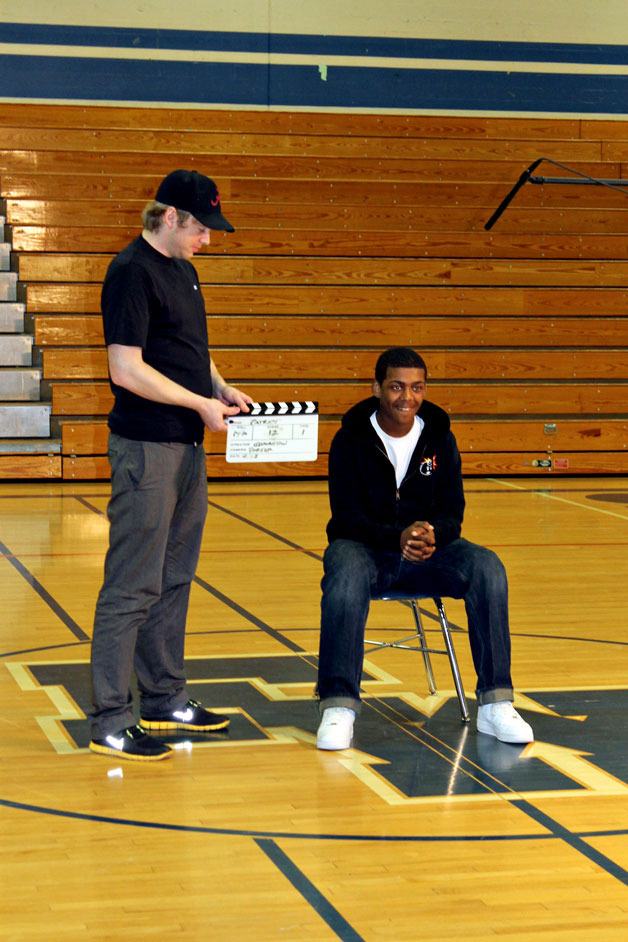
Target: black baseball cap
(194,193)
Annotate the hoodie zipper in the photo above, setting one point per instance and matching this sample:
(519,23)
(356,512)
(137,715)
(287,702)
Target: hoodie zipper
(379,447)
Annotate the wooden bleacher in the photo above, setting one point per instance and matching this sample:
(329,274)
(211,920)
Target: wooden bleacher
(353,233)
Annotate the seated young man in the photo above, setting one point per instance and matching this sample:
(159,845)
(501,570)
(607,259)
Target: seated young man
(397,503)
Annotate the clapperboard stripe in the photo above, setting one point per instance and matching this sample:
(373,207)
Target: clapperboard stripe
(283,408)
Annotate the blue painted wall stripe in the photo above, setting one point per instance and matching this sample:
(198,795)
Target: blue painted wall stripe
(450,90)
(127,38)
(132,80)
(295,43)
(233,83)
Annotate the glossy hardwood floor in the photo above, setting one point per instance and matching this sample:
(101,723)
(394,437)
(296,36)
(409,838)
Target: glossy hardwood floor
(424,830)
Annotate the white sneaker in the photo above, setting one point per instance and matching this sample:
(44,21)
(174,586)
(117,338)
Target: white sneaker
(502,721)
(336,729)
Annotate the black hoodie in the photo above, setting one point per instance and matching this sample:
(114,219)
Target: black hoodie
(366,505)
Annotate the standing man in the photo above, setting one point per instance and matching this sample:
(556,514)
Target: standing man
(167,390)
(397,503)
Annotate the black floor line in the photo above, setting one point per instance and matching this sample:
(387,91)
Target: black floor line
(304,835)
(81,500)
(262,529)
(612,868)
(46,647)
(337,923)
(61,613)
(277,635)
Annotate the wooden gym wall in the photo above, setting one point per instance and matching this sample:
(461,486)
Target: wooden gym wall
(354,232)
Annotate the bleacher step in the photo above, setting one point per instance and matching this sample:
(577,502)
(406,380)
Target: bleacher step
(19,385)
(25,419)
(8,285)
(30,446)
(11,317)
(16,350)
(5,256)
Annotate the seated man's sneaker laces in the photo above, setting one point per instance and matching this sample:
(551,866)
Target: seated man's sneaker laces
(336,728)
(502,721)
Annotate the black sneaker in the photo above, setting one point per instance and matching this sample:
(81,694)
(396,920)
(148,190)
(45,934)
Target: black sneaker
(132,743)
(192,716)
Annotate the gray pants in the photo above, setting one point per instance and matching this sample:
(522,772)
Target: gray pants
(156,514)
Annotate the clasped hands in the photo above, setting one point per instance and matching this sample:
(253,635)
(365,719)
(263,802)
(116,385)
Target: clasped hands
(417,541)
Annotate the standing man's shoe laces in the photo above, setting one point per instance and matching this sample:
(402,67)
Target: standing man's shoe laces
(191,716)
(132,743)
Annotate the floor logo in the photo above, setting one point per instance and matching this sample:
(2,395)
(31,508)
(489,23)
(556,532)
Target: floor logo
(406,747)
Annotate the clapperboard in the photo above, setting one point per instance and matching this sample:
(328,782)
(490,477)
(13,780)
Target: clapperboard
(274,431)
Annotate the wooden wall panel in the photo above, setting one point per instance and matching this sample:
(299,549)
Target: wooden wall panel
(532,435)
(130,192)
(302,270)
(419,243)
(31,115)
(333,216)
(19,466)
(546,398)
(492,464)
(308,364)
(341,144)
(366,299)
(373,332)
(461,168)
(351,236)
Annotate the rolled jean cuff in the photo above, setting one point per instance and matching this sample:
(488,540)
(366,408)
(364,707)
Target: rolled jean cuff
(347,702)
(496,695)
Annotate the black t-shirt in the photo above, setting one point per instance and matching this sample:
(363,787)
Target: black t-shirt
(155,302)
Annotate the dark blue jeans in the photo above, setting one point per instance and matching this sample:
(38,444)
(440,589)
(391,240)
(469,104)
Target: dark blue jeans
(354,573)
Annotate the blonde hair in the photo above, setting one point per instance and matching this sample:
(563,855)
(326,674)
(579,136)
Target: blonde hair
(153,212)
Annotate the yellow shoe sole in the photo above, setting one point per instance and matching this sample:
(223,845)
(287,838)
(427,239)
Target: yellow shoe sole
(129,756)
(172,724)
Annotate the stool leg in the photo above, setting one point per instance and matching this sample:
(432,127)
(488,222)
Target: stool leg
(426,654)
(444,624)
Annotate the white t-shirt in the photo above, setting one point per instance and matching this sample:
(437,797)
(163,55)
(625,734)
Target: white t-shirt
(399,450)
